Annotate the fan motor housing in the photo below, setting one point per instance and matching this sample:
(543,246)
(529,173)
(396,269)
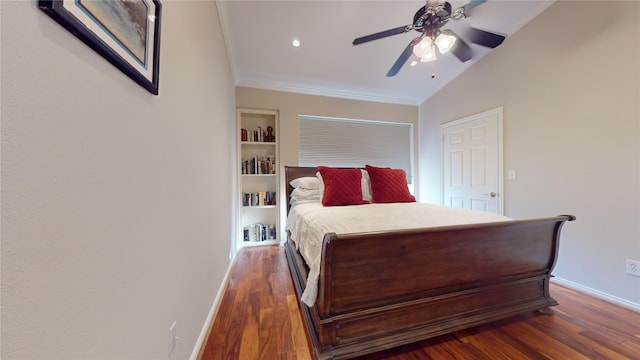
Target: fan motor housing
(428,20)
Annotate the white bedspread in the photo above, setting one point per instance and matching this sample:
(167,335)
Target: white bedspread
(309,222)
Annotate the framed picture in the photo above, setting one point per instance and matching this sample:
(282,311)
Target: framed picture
(125,32)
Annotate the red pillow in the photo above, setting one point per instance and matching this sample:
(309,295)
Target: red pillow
(389,185)
(341,186)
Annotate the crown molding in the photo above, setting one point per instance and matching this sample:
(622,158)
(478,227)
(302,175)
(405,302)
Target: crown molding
(225,24)
(293,88)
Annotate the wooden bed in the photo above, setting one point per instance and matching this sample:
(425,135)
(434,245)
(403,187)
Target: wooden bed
(409,285)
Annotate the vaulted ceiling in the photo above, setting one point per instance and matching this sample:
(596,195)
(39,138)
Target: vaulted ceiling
(259,37)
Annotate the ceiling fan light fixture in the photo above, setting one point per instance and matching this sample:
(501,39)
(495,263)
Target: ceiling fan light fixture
(445,41)
(429,55)
(428,21)
(423,47)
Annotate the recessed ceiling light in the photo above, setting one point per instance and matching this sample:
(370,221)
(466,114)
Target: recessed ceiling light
(414,63)
(295,43)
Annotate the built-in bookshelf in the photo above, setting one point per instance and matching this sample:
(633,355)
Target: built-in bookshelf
(258,177)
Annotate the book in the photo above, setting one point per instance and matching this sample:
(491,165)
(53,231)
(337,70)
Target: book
(259,232)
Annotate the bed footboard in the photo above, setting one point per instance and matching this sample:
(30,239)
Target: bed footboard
(405,286)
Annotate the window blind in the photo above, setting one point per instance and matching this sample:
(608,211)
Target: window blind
(354,143)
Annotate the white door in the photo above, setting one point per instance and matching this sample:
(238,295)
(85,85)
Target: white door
(472,162)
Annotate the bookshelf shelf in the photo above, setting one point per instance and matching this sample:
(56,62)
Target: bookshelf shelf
(258,175)
(258,143)
(258,215)
(262,243)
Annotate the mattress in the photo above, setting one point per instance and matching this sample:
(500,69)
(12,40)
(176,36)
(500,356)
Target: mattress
(307,224)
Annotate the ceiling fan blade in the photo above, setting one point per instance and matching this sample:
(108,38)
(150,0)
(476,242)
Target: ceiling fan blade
(382,34)
(465,11)
(461,50)
(402,59)
(485,38)
(474,3)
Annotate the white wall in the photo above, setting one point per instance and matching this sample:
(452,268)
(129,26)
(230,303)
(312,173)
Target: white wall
(291,105)
(569,82)
(115,203)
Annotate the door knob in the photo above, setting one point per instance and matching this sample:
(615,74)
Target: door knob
(492,194)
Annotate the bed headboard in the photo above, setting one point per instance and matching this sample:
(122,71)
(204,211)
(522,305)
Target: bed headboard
(294,172)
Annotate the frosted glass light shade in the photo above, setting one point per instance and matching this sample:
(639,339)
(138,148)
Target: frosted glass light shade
(429,55)
(425,50)
(445,41)
(423,47)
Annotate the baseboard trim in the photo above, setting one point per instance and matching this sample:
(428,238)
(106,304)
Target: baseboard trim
(204,333)
(597,293)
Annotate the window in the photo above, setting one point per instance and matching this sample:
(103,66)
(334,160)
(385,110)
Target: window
(354,143)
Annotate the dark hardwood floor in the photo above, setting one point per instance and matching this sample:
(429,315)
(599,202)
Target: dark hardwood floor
(259,318)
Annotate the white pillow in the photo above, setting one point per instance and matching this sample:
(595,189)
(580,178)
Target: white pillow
(366,186)
(319,177)
(307,182)
(296,201)
(306,194)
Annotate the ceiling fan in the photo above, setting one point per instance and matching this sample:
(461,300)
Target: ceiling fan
(428,21)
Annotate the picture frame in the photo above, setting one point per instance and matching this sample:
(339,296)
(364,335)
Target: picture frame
(126,33)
